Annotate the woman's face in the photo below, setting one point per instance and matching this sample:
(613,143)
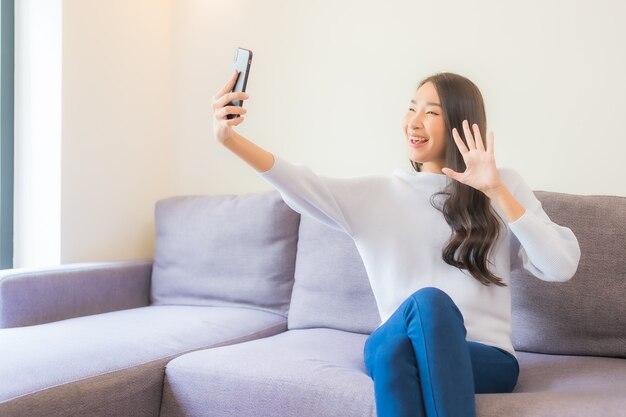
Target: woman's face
(424,122)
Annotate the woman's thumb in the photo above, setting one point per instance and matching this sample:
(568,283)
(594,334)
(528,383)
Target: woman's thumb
(450,173)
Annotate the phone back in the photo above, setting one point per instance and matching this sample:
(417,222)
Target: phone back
(242,61)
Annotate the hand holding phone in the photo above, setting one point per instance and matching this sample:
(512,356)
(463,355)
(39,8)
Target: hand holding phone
(225,116)
(241,63)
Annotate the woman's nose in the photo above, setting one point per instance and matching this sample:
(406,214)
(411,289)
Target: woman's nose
(415,122)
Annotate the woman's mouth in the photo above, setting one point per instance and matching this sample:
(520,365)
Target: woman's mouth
(416,142)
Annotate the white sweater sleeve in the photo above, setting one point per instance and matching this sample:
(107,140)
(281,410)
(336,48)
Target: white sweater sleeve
(547,250)
(323,198)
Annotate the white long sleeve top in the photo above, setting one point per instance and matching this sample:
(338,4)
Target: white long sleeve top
(400,237)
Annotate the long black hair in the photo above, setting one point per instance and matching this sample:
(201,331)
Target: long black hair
(475,225)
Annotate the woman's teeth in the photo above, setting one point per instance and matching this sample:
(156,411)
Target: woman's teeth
(418,140)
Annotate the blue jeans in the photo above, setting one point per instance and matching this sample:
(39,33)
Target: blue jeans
(422,365)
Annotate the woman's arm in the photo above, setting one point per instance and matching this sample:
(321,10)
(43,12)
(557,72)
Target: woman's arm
(255,156)
(301,189)
(323,198)
(510,206)
(547,250)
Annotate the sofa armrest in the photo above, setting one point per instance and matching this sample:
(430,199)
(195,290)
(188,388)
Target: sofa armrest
(30,296)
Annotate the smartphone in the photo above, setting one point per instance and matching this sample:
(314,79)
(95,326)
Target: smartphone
(241,61)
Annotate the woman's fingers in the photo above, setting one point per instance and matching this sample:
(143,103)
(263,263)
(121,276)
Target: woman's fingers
(225,94)
(459,141)
(227,98)
(235,121)
(224,111)
(478,138)
(474,141)
(468,135)
(222,105)
(228,87)
(451,173)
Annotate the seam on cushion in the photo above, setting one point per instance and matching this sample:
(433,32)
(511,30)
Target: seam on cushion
(245,307)
(240,339)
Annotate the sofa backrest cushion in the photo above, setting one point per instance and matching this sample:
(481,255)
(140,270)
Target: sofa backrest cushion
(587,314)
(331,287)
(225,250)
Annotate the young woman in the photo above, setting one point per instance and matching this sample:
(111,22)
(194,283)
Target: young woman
(438,243)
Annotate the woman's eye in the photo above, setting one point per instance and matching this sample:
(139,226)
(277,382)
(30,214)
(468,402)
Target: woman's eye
(411,109)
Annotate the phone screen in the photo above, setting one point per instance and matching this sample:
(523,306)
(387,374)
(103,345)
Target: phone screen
(241,61)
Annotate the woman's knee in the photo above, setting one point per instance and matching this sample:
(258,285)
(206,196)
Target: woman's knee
(434,303)
(432,297)
(430,293)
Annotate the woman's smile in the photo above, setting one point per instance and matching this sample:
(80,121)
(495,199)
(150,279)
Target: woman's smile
(417,140)
(424,129)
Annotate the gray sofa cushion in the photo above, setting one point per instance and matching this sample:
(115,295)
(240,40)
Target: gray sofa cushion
(225,250)
(587,314)
(111,364)
(331,287)
(315,372)
(320,372)
(555,385)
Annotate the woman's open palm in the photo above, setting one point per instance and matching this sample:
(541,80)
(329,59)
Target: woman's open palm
(480,164)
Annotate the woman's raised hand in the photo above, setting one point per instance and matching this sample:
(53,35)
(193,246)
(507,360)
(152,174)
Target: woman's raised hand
(222,126)
(480,165)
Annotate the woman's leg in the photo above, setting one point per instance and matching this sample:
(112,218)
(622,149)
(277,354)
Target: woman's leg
(394,370)
(495,370)
(436,378)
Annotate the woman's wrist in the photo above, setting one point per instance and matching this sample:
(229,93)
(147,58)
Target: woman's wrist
(257,157)
(497,191)
(503,198)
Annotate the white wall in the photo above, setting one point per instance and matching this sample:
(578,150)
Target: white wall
(330,82)
(329,86)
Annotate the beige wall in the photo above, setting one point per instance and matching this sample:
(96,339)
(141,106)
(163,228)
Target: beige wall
(330,82)
(117,126)
(329,86)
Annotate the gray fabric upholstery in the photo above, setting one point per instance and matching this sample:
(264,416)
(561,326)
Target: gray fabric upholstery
(331,287)
(554,385)
(314,372)
(225,250)
(112,363)
(30,296)
(586,315)
(320,372)
(130,392)
(77,363)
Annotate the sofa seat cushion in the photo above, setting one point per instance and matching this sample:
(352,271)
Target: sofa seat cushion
(303,372)
(115,359)
(560,385)
(320,372)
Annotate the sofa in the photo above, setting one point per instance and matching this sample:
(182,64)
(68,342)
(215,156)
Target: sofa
(248,308)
